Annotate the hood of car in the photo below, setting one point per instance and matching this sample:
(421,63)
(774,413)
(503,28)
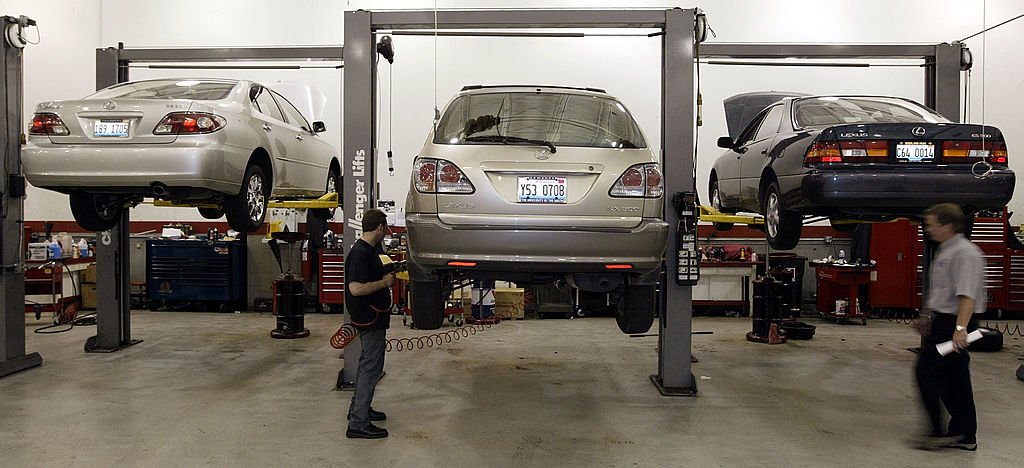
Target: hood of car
(742,108)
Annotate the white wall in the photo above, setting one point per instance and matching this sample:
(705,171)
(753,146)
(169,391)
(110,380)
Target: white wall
(62,66)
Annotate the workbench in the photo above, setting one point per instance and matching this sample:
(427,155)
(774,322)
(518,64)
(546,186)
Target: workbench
(725,283)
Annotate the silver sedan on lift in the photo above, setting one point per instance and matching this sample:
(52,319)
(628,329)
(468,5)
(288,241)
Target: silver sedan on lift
(231,143)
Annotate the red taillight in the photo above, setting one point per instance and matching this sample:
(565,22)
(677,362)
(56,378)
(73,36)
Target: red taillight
(450,174)
(824,151)
(618,267)
(864,151)
(972,151)
(439,176)
(189,123)
(425,175)
(47,124)
(462,264)
(632,178)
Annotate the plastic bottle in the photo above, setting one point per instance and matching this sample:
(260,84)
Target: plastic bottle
(54,249)
(842,256)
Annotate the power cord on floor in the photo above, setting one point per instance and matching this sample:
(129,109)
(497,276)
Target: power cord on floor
(83,321)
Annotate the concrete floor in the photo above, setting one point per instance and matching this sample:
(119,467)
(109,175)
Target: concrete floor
(207,389)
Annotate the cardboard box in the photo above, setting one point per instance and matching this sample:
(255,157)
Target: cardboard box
(88,275)
(509,303)
(88,296)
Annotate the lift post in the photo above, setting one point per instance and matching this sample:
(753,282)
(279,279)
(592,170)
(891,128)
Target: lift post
(12,190)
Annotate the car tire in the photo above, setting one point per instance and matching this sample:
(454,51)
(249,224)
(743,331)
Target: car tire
(636,309)
(716,203)
(95,212)
(333,185)
(210,213)
(782,227)
(427,304)
(247,210)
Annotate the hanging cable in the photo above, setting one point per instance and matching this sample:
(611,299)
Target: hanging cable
(993,27)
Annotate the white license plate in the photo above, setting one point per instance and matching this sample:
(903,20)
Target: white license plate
(915,151)
(111,128)
(541,190)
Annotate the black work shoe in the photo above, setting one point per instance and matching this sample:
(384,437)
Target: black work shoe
(933,442)
(368,432)
(962,445)
(374,415)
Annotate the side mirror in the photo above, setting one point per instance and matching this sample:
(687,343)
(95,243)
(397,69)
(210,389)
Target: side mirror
(319,127)
(723,142)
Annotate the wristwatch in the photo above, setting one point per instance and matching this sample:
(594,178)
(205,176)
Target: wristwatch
(960,328)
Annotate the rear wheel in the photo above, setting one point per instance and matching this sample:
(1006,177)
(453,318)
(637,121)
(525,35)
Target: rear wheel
(210,213)
(636,309)
(247,210)
(96,212)
(333,185)
(716,203)
(782,227)
(427,304)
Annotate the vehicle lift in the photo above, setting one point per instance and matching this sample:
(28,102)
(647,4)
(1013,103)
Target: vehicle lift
(113,330)
(12,191)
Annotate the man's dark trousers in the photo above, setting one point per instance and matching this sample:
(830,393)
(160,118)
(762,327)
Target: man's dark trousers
(946,379)
(371,365)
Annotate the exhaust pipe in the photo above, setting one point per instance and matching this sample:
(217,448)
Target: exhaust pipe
(158,189)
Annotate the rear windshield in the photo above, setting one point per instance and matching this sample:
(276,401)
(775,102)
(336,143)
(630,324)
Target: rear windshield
(202,90)
(562,119)
(830,110)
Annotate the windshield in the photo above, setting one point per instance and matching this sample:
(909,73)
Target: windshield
(203,90)
(557,118)
(831,110)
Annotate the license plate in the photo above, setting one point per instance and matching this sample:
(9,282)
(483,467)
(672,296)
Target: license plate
(111,128)
(541,190)
(915,151)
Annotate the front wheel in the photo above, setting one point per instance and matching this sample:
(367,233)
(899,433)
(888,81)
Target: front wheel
(333,185)
(782,227)
(636,309)
(427,303)
(716,203)
(247,210)
(96,212)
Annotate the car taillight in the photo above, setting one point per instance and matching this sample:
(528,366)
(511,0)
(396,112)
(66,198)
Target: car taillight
(440,176)
(47,124)
(972,151)
(189,123)
(864,150)
(824,151)
(641,180)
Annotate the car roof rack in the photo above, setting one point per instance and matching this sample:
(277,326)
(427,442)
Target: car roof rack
(596,90)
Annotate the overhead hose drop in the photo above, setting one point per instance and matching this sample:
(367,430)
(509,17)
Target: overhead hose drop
(1005,329)
(347,333)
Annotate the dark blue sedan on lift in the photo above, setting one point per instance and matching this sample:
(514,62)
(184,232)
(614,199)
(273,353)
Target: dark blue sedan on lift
(860,157)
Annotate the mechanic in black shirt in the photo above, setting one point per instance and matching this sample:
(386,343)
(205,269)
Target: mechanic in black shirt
(368,301)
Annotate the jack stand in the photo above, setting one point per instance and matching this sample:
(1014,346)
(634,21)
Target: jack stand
(113,317)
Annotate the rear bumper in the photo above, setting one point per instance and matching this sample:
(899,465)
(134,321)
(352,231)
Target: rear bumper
(432,244)
(135,167)
(903,192)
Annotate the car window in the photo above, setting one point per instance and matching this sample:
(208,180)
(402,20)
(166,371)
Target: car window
(560,118)
(265,103)
(830,110)
(770,125)
(747,135)
(294,116)
(200,90)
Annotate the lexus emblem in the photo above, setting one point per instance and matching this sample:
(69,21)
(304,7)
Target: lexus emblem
(543,154)
(110,105)
(918,131)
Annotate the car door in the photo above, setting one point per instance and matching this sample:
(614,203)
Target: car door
(754,152)
(309,169)
(281,138)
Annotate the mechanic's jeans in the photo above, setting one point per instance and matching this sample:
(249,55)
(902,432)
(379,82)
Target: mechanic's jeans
(371,365)
(946,379)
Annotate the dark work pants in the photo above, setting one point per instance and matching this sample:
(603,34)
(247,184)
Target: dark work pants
(946,379)
(371,365)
